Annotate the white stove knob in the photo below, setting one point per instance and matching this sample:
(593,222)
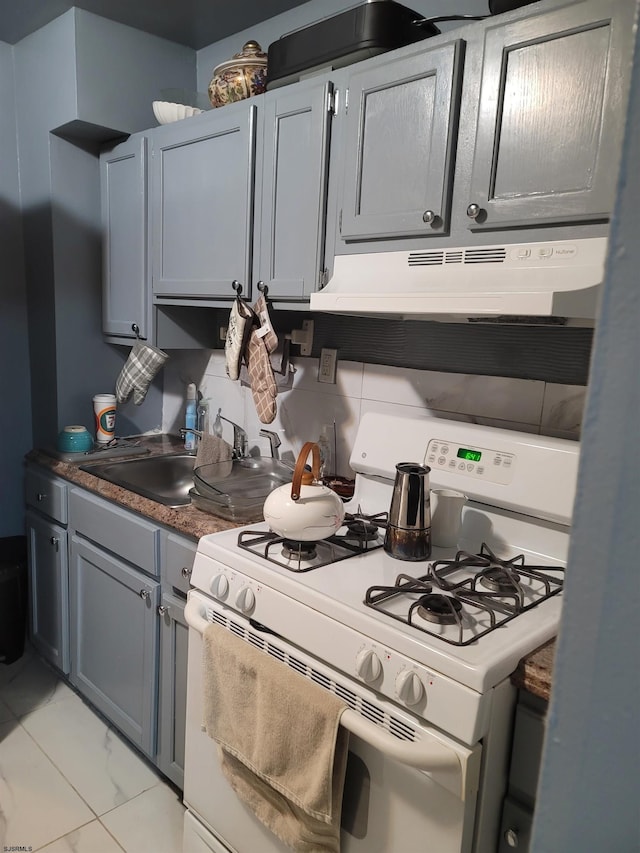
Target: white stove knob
(220,586)
(246,600)
(409,687)
(368,665)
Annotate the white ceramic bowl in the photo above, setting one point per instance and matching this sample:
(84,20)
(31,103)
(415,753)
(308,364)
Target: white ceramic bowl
(166,112)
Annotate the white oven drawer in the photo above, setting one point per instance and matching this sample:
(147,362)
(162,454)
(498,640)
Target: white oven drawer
(388,804)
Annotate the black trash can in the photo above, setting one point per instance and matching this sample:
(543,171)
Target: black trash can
(13,597)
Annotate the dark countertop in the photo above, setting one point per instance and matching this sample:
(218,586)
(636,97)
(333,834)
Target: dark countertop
(186,520)
(535,672)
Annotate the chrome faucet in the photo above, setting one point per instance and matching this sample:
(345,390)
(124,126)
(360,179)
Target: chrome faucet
(274,441)
(197,432)
(240,439)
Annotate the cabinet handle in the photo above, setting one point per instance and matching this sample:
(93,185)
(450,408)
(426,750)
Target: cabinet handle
(55,542)
(511,837)
(428,216)
(135,328)
(186,572)
(162,610)
(41,496)
(473,211)
(144,594)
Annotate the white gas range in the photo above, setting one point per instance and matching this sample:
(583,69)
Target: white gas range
(421,652)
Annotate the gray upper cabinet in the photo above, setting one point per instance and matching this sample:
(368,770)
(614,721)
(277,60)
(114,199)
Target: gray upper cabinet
(126,296)
(400,137)
(550,117)
(290,230)
(202,203)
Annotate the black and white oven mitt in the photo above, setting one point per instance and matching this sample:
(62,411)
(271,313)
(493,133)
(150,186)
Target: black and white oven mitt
(241,321)
(141,366)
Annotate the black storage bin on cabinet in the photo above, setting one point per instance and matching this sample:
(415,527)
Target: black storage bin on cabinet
(13,597)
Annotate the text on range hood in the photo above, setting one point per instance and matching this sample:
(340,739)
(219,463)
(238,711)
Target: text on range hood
(540,281)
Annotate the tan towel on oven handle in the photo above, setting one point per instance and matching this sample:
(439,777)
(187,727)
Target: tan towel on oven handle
(282,747)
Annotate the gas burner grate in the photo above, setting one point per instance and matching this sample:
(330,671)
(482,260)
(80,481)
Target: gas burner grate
(459,612)
(353,539)
(500,576)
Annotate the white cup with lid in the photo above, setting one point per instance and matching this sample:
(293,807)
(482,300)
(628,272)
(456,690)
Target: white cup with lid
(104,410)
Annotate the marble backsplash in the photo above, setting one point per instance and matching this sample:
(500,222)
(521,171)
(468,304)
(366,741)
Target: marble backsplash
(526,405)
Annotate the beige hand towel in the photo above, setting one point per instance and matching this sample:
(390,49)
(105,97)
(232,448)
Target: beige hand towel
(212,449)
(282,747)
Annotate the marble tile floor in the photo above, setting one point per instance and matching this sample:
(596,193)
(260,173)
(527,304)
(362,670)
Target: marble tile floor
(68,782)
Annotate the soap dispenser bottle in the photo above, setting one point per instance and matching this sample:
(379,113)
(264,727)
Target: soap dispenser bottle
(191,417)
(324,445)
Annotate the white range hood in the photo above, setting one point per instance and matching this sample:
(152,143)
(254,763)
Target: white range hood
(514,282)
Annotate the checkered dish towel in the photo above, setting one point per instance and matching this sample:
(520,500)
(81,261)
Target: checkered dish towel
(138,372)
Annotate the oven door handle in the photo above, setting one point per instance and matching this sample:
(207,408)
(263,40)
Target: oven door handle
(426,754)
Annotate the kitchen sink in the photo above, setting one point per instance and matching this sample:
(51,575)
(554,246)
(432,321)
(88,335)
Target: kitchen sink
(164,479)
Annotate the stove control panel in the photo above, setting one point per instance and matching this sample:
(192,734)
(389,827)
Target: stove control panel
(492,466)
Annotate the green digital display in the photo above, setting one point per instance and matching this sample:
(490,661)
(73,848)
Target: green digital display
(469,455)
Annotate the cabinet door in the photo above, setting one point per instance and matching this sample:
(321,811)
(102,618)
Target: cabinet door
(126,302)
(400,136)
(550,117)
(49,590)
(202,203)
(114,640)
(294,187)
(174,634)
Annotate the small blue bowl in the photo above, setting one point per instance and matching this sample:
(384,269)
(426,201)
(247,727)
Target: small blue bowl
(74,439)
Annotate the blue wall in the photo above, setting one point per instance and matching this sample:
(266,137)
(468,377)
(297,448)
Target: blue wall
(589,792)
(15,412)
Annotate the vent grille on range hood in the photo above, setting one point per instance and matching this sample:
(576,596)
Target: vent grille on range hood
(527,282)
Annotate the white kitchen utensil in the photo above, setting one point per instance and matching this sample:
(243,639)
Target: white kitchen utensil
(446,516)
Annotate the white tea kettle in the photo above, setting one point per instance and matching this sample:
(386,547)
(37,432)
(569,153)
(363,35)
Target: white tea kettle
(306,511)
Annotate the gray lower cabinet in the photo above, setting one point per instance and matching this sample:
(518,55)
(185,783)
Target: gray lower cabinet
(48,589)
(202,185)
(114,639)
(177,556)
(174,634)
(290,227)
(550,119)
(526,757)
(399,140)
(126,296)
(46,521)
(128,580)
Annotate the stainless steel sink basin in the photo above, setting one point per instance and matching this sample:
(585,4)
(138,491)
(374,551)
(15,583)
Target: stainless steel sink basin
(164,479)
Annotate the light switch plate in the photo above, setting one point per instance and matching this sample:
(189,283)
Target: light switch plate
(327,366)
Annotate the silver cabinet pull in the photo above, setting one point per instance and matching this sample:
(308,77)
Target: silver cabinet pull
(473,211)
(186,572)
(144,594)
(41,496)
(55,542)
(428,216)
(162,610)
(511,837)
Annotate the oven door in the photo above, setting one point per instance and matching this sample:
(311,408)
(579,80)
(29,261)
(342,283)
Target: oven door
(388,804)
